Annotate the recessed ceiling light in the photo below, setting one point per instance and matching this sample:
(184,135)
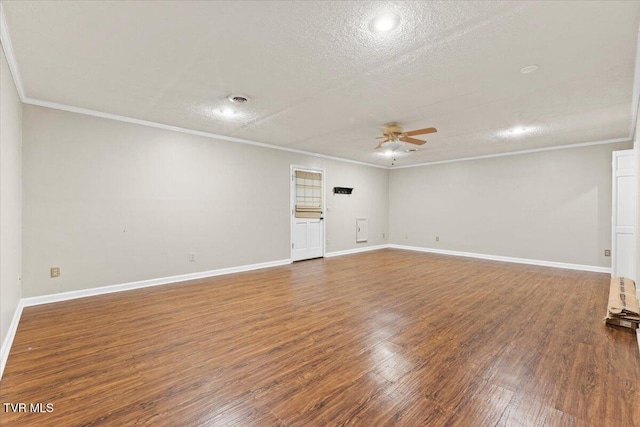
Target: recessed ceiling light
(518,130)
(384,23)
(529,69)
(228,112)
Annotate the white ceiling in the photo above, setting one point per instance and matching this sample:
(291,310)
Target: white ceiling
(321,81)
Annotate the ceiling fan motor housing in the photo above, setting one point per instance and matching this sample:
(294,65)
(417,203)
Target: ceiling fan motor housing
(394,133)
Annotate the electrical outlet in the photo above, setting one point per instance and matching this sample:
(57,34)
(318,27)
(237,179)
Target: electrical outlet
(437,238)
(54,272)
(607,252)
(192,257)
(406,236)
(383,235)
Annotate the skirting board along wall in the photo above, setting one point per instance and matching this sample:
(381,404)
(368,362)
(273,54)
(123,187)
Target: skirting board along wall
(541,206)
(355,251)
(46,299)
(542,263)
(64,296)
(8,340)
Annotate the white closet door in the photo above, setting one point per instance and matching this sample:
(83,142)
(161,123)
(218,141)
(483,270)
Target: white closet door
(623,215)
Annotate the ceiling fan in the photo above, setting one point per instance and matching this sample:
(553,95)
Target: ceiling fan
(394,133)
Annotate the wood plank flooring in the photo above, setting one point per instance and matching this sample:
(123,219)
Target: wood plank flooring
(381,338)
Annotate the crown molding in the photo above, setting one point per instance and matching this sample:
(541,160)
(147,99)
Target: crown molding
(117,117)
(515,153)
(125,119)
(5,39)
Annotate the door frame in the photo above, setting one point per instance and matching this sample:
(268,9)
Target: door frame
(614,210)
(292,204)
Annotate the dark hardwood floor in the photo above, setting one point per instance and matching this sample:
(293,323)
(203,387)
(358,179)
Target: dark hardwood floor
(381,338)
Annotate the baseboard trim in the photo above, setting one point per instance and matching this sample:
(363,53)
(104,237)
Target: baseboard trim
(64,296)
(355,251)
(8,340)
(592,268)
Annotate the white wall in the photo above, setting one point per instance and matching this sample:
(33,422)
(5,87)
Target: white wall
(111,202)
(10,198)
(550,206)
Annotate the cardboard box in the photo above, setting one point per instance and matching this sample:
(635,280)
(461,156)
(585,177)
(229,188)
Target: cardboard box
(621,322)
(623,309)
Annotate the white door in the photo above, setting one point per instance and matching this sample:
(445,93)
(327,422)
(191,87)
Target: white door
(307,213)
(623,215)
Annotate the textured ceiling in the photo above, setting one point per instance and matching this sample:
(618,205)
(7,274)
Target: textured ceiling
(321,81)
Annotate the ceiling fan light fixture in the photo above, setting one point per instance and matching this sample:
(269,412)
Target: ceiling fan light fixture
(384,23)
(397,139)
(392,145)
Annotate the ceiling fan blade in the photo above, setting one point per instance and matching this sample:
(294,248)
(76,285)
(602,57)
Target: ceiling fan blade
(420,132)
(383,142)
(413,141)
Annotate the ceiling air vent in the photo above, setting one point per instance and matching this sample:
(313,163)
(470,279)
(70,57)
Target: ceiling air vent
(239,99)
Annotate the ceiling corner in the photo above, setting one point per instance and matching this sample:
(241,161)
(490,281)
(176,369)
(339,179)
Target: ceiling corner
(5,39)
